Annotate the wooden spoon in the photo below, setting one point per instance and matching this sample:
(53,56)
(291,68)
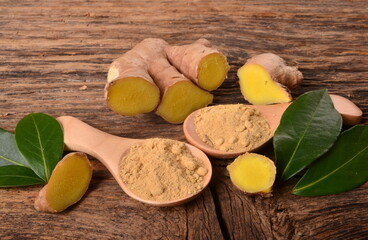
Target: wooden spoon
(350,113)
(109,149)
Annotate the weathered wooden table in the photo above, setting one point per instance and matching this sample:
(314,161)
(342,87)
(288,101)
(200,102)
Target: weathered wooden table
(49,50)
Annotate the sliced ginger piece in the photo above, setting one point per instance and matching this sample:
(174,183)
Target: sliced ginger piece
(67,185)
(180,99)
(258,88)
(212,70)
(132,96)
(253,173)
(201,63)
(266,79)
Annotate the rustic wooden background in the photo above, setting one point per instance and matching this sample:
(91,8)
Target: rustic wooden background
(50,50)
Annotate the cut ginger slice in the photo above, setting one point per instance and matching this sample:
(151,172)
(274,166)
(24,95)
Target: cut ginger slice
(258,87)
(67,185)
(132,96)
(253,173)
(212,70)
(180,99)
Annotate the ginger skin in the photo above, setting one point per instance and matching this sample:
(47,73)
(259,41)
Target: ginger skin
(266,79)
(253,173)
(153,69)
(68,183)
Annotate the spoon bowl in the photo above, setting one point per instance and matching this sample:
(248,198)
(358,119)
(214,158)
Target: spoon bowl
(272,113)
(110,149)
(350,113)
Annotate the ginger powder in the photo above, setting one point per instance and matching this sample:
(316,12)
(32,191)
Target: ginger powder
(231,128)
(162,170)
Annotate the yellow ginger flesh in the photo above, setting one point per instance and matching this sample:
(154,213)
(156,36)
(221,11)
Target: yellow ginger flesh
(252,173)
(258,87)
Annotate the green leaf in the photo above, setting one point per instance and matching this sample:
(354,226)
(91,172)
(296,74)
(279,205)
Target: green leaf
(9,153)
(15,176)
(343,168)
(308,128)
(39,138)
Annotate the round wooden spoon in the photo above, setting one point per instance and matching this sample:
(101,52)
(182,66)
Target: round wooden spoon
(350,113)
(109,149)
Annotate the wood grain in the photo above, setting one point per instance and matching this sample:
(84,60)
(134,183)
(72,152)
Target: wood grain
(50,49)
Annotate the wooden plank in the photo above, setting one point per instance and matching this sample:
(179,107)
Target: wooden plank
(285,216)
(105,212)
(50,49)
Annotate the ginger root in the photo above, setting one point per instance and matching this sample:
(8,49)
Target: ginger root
(180,96)
(136,80)
(67,185)
(201,63)
(266,79)
(253,173)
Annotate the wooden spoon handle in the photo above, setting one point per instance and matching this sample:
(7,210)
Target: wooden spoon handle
(351,113)
(79,136)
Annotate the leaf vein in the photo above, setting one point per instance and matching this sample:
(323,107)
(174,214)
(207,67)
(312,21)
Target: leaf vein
(11,161)
(42,150)
(20,176)
(32,144)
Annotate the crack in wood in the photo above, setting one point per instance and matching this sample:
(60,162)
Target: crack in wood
(219,214)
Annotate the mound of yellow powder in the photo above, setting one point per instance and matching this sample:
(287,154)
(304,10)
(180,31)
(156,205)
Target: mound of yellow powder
(231,128)
(162,170)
